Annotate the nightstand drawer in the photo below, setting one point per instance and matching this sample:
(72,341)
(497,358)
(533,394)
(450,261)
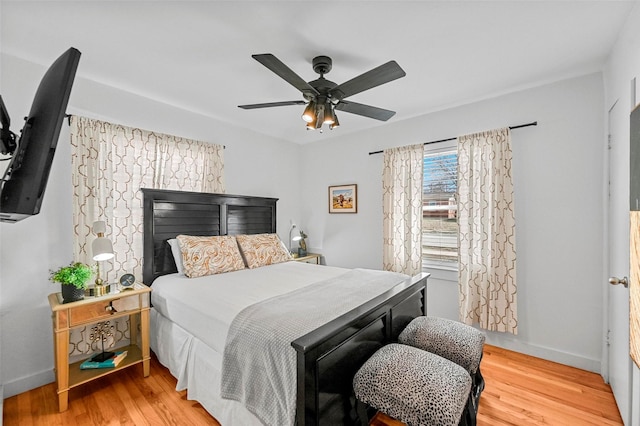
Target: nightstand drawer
(93,311)
(102,309)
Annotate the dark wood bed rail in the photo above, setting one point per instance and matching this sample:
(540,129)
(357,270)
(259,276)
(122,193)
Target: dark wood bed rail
(328,357)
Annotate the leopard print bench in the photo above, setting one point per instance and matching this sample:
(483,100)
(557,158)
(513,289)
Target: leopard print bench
(453,340)
(413,386)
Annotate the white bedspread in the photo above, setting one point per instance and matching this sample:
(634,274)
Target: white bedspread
(206,306)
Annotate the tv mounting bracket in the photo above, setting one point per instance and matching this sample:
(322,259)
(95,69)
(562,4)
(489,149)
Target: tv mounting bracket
(7,137)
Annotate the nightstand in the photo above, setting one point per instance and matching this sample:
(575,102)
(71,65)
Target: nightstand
(309,258)
(133,303)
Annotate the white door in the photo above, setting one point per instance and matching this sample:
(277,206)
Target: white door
(619,364)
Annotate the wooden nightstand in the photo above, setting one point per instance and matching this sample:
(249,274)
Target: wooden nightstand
(133,303)
(310,258)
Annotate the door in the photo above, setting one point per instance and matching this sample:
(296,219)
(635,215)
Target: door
(619,361)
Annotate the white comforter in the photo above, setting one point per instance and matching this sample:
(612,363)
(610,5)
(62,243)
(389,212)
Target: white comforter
(206,306)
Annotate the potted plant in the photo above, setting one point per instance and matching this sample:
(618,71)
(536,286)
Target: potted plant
(73,280)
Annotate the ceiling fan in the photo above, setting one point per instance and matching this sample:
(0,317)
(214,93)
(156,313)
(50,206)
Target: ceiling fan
(322,97)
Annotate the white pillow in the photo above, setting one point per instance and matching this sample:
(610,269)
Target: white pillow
(177,255)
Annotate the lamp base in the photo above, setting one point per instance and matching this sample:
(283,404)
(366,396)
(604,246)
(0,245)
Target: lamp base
(103,356)
(100,290)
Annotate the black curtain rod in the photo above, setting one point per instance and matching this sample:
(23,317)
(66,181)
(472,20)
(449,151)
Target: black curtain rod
(534,123)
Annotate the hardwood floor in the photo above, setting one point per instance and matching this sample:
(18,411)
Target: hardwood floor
(123,398)
(523,390)
(520,390)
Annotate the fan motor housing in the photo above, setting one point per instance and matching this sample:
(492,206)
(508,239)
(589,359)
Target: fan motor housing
(322,64)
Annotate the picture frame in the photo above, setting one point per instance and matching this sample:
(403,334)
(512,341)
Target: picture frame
(343,199)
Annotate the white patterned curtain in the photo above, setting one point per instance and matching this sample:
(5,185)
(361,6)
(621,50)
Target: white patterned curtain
(111,163)
(487,266)
(402,209)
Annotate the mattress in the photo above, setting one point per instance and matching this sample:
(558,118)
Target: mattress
(205,306)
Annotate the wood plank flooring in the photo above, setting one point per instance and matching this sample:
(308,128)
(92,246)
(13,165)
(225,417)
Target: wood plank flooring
(523,390)
(520,390)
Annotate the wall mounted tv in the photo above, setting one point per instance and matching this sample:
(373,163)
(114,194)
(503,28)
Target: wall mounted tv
(25,179)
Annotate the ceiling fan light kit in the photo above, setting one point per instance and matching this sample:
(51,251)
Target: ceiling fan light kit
(309,112)
(323,97)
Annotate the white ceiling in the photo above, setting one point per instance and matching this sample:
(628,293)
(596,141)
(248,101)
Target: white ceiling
(197,54)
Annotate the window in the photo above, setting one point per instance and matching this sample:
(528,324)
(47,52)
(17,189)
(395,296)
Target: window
(439,209)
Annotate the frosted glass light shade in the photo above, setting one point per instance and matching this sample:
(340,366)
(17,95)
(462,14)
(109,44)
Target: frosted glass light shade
(102,249)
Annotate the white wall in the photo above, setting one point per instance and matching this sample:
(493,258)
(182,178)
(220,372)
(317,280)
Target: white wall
(558,184)
(31,248)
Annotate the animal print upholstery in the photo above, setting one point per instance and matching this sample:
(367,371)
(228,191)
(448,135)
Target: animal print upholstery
(455,341)
(414,386)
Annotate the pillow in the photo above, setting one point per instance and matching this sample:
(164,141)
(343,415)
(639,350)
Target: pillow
(177,254)
(209,255)
(262,249)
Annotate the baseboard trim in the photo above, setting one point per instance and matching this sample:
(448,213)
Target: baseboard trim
(27,383)
(550,354)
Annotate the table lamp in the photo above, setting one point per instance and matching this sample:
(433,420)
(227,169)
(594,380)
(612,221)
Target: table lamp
(102,250)
(296,238)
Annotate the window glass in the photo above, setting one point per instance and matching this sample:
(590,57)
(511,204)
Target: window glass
(439,209)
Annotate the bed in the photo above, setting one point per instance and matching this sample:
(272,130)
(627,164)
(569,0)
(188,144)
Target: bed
(325,357)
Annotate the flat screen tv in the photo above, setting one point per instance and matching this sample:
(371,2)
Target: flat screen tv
(26,177)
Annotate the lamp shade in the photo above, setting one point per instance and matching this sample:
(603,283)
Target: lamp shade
(309,113)
(335,122)
(99,227)
(329,116)
(102,249)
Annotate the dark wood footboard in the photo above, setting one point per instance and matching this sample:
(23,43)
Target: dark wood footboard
(329,356)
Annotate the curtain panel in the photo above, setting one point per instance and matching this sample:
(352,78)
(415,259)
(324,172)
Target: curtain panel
(110,163)
(402,177)
(487,259)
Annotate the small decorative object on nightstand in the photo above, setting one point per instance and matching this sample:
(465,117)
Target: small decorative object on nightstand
(302,250)
(100,332)
(127,281)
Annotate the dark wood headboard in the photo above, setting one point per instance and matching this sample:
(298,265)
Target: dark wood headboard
(171,213)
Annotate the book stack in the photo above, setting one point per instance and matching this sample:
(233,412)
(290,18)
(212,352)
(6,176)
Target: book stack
(107,363)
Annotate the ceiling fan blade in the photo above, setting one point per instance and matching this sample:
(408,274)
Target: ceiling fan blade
(272,104)
(278,67)
(365,110)
(375,77)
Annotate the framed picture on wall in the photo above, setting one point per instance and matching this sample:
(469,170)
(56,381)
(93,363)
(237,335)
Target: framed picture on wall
(343,199)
